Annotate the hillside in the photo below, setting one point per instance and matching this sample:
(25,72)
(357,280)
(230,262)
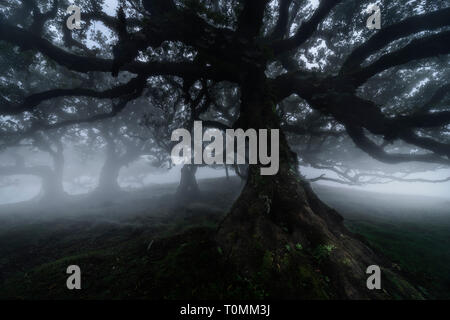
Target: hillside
(146,244)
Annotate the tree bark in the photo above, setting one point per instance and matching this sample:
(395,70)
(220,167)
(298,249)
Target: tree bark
(276,214)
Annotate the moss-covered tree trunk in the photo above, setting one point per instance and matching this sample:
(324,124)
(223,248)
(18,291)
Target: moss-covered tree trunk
(278,230)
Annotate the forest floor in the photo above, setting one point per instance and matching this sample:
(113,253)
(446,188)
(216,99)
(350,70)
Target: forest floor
(146,244)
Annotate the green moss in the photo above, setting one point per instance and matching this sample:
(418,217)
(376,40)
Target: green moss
(346,261)
(323,251)
(302,278)
(267,261)
(402,288)
(115,262)
(191,266)
(196,270)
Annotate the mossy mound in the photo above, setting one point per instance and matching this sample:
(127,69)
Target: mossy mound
(186,266)
(185,261)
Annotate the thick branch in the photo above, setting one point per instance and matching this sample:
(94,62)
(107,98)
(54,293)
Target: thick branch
(116,109)
(251,18)
(428,120)
(281,28)
(409,26)
(34,100)
(27,40)
(421,48)
(439,148)
(368,146)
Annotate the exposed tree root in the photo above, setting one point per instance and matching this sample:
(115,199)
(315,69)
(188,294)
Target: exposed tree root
(279,224)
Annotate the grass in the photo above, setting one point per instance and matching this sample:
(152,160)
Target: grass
(110,240)
(412,231)
(422,251)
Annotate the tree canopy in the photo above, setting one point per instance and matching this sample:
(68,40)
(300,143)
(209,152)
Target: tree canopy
(321,53)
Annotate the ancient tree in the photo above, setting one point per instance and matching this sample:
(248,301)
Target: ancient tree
(258,46)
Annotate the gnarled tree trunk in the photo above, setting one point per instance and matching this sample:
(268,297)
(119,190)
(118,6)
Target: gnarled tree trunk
(109,175)
(52,189)
(279,224)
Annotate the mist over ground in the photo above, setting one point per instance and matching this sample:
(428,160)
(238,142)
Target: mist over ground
(82,177)
(26,188)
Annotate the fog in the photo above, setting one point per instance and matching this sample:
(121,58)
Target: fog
(440,190)
(82,178)
(24,188)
